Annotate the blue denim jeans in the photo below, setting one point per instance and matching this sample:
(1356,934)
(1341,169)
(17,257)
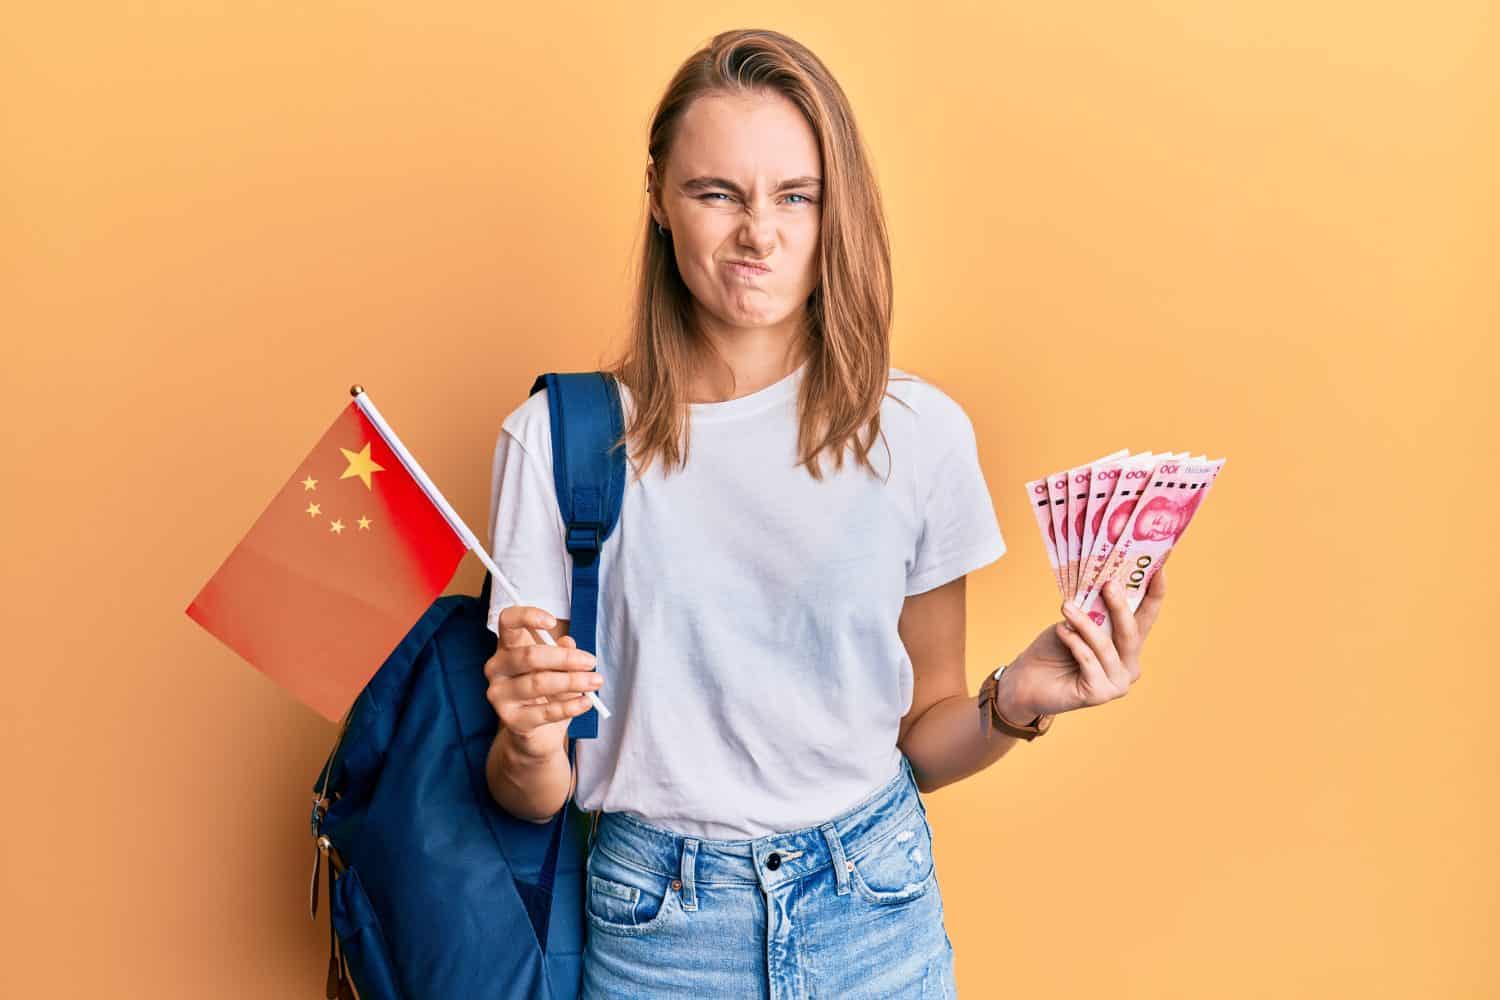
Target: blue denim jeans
(849,908)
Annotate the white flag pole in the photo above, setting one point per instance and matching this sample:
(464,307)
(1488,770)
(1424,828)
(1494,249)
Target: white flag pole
(362,400)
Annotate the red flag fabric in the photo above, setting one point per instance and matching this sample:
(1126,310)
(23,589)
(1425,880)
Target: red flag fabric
(337,569)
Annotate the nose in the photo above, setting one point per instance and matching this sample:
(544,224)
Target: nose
(757,234)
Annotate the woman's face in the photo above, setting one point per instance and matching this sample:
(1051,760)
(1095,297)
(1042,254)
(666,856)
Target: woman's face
(743,182)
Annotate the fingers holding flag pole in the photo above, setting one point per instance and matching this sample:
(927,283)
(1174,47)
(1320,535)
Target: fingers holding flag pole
(470,540)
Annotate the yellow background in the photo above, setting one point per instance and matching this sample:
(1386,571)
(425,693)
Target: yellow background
(1263,231)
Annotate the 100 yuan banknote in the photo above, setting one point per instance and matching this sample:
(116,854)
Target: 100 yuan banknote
(1041,506)
(1056,511)
(1114,513)
(1157,520)
(1074,507)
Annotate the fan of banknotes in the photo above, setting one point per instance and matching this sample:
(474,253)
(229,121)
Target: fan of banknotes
(1116,518)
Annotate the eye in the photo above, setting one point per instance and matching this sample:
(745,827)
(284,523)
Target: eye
(712,194)
(802,196)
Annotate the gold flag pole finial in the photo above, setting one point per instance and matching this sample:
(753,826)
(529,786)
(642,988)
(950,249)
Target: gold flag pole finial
(356,389)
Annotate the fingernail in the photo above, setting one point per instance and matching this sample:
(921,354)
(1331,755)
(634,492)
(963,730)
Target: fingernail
(549,621)
(596,681)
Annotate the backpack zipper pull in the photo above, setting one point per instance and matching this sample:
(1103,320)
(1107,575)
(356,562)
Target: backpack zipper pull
(346,985)
(312,889)
(338,984)
(335,978)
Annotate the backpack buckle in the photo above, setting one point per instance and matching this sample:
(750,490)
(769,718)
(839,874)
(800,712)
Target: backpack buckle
(585,537)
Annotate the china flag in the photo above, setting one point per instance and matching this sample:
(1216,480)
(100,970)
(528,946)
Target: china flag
(340,565)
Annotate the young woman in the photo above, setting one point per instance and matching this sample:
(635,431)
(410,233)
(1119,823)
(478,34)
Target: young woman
(781,630)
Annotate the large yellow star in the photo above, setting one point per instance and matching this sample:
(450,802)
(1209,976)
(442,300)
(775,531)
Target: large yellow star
(361,464)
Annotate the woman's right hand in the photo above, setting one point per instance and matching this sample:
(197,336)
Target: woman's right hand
(536,689)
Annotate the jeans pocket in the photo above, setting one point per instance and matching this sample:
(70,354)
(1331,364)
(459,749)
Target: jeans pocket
(897,868)
(623,898)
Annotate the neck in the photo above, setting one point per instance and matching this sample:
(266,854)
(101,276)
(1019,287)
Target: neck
(735,362)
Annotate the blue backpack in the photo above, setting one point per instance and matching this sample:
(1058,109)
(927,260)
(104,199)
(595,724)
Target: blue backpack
(435,891)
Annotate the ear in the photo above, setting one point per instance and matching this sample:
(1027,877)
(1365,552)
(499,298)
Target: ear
(653,187)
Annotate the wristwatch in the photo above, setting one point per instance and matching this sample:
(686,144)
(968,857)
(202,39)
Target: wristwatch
(989,712)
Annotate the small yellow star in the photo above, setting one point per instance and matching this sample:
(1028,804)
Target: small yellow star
(314,510)
(361,464)
(309,484)
(364,523)
(336,527)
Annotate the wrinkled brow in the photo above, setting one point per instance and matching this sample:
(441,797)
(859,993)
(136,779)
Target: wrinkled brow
(706,183)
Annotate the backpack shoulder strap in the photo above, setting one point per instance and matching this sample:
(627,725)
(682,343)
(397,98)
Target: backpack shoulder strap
(589,473)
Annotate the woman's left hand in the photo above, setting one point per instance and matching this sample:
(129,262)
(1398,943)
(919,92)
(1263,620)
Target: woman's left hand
(1075,663)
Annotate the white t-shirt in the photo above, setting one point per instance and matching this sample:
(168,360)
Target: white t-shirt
(747,619)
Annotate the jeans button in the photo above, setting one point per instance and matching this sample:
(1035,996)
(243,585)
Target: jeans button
(774,861)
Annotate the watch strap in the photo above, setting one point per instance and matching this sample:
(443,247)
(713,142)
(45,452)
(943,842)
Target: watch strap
(990,717)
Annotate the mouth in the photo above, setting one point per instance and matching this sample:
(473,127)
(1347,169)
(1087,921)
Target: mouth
(746,267)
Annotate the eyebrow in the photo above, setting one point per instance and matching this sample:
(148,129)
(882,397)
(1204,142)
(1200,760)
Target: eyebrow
(704,183)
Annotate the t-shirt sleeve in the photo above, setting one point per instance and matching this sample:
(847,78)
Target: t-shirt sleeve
(527,534)
(959,530)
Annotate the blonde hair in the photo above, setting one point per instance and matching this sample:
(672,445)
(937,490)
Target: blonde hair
(848,314)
